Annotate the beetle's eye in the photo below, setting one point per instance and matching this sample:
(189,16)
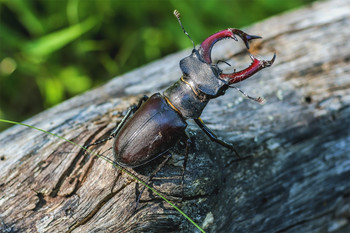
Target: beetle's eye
(221,92)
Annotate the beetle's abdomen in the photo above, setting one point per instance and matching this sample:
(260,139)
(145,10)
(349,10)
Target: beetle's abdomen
(151,131)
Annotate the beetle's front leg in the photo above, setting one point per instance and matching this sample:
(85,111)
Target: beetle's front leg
(131,110)
(119,125)
(213,137)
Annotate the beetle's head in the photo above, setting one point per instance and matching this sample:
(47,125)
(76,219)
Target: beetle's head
(204,55)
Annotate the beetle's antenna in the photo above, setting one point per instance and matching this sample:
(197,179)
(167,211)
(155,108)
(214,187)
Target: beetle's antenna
(177,15)
(259,99)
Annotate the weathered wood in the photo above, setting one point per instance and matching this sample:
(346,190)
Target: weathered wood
(295,175)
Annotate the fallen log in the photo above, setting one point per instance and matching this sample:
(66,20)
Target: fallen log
(294,175)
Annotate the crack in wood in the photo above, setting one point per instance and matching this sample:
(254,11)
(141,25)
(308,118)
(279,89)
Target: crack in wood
(77,164)
(65,175)
(82,176)
(41,202)
(99,205)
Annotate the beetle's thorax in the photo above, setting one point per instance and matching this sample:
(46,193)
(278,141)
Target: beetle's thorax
(200,83)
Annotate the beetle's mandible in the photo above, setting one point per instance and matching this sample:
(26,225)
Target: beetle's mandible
(156,124)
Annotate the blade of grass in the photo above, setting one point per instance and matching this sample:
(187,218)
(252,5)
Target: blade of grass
(111,162)
(47,44)
(27,15)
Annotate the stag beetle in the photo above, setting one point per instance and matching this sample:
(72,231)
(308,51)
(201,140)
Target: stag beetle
(153,126)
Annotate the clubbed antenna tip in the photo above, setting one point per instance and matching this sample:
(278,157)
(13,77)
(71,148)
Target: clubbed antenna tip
(259,99)
(177,15)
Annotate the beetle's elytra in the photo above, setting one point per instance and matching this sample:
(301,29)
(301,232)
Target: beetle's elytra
(151,131)
(156,124)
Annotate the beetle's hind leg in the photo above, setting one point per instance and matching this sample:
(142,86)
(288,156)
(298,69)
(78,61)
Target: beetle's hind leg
(119,125)
(162,164)
(213,137)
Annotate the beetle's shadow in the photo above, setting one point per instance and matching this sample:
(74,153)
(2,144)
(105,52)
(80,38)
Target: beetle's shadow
(169,170)
(147,169)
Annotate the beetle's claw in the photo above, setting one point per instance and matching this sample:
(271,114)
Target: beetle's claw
(251,57)
(252,37)
(207,44)
(234,37)
(244,36)
(264,63)
(269,63)
(254,67)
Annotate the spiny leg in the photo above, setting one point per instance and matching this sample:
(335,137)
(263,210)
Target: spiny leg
(153,174)
(119,125)
(149,178)
(213,137)
(188,142)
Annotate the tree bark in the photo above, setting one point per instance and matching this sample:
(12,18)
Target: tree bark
(294,175)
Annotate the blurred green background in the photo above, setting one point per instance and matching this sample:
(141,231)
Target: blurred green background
(51,50)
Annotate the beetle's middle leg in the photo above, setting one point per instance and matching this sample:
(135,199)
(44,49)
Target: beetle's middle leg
(213,137)
(153,174)
(120,124)
(188,141)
